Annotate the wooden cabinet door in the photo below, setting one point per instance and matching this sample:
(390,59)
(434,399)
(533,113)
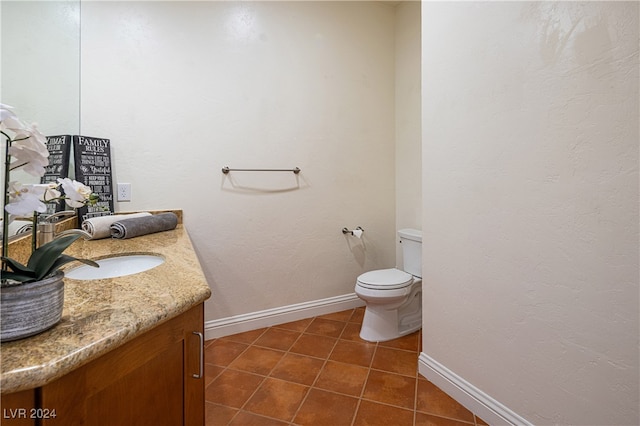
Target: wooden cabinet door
(19,409)
(142,383)
(194,367)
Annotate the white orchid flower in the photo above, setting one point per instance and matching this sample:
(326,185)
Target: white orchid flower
(77,193)
(47,191)
(8,120)
(28,145)
(29,148)
(6,113)
(26,199)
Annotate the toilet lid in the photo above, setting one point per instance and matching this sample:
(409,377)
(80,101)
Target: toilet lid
(385,279)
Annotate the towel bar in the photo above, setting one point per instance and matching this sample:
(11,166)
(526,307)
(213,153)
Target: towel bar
(226,170)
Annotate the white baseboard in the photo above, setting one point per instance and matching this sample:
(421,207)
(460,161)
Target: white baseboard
(270,317)
(475,400)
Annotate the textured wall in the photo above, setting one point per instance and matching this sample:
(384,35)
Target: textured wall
(39,69)
(408,120)
(39,72)
(185,88)
(530,147)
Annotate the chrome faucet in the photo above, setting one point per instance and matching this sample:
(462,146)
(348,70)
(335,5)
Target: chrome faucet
(47,228)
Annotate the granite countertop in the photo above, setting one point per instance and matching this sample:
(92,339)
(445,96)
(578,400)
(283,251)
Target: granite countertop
(101,315)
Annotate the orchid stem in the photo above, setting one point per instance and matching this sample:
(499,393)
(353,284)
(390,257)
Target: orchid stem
(5,213)
(34,232)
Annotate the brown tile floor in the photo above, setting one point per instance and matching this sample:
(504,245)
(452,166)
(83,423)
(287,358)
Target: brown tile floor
(318,371)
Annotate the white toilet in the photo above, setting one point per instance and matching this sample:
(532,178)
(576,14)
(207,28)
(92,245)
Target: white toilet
(394,296)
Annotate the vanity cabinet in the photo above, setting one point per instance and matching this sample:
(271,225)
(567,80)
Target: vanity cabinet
(154,379)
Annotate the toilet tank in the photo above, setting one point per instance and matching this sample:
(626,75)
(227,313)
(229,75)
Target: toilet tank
(411,240)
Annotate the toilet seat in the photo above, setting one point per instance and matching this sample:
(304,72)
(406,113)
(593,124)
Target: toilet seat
(385,279)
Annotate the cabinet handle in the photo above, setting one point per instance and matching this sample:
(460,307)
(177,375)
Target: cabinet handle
(201,367)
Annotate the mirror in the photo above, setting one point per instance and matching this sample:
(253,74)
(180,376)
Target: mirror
(40,74)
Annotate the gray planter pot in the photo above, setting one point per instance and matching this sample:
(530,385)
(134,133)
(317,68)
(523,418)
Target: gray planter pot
(31,308)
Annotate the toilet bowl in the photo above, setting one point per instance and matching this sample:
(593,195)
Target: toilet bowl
(393,297)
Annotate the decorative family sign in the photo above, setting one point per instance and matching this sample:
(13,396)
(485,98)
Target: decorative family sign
(92,160)
(59,148)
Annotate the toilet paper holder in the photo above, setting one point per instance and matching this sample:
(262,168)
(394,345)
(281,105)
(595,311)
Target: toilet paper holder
(346,231)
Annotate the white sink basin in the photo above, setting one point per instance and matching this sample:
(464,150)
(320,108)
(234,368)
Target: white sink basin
(116,266)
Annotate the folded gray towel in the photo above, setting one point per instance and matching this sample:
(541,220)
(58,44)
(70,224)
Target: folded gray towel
(100,227)
(135,227)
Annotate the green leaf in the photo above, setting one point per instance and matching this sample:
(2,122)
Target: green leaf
(64,259)
(18,267)
(88,262)
(21,277)
(43,259)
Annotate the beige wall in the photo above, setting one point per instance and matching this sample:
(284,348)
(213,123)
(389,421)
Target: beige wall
(530,159)
(408,119)
(185,88)
(39,70)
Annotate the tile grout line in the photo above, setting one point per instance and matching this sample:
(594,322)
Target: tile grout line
(415,398)
(227,368)
(415,402)
(364,385)
(268,375)
(326,360)
(288,351)
(290,422)
(371,368)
